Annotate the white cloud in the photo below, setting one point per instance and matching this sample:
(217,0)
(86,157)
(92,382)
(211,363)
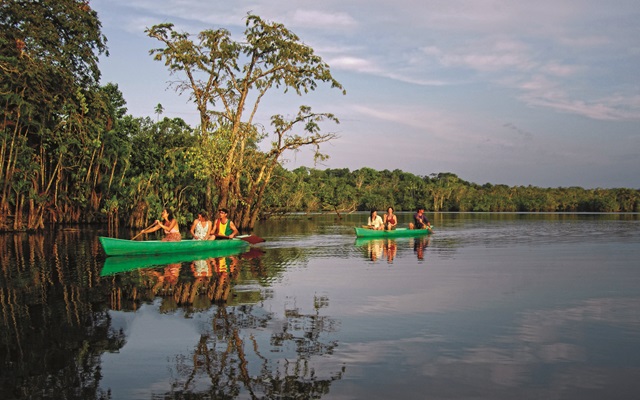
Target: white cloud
(319,19)
(606,109)
(354,64)
(560,70)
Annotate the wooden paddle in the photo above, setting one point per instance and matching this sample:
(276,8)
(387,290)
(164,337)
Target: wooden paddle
(251,239)
(254,252)
(150,226)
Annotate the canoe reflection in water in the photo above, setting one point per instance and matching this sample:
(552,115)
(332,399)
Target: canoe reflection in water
(222,266)
(171,274)
(420,244)
(243,350)
(180,280)
(379,249)
(375,249)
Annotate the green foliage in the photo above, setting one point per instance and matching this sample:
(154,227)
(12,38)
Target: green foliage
(227,79)
(366,189)
(160,175)
(49,53)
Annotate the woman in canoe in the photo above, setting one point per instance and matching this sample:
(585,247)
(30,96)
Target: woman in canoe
(390,220)
(375,222)
(170,227)
(201,228)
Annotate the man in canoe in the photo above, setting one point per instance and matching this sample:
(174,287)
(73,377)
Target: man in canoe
(420,220)
(223,227)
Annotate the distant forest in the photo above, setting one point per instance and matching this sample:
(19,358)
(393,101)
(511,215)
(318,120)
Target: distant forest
(341,190)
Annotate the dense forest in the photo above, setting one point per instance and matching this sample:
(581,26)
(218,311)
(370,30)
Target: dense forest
(70,153)
(365,189)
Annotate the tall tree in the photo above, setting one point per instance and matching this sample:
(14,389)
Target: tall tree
(227,80)
(49,67)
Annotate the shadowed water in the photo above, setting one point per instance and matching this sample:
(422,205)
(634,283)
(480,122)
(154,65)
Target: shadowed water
(491,306)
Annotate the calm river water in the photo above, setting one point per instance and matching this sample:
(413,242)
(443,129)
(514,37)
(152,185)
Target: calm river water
(491,306)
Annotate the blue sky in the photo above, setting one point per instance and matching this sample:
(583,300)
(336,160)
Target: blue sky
(543,93)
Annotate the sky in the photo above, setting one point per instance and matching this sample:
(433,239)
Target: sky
(543,93)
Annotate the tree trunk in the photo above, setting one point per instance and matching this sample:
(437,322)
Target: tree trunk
(17,214)
(223,192)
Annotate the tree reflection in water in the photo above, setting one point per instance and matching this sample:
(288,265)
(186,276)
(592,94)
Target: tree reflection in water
(55,323)
(243,353)
(233,362)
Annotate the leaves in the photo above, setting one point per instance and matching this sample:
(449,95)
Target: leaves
(49,53)
(227,80)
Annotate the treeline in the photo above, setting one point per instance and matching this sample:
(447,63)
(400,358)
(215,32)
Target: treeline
(342,190)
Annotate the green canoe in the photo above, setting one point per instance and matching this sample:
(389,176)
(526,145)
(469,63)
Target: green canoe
(114,265)
(123,247)
(394,233)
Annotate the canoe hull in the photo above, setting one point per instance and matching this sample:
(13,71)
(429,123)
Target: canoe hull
(115,265)
(123,247)
(394,233)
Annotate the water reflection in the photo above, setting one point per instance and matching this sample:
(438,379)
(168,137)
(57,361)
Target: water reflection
(53,325)
(236,357)
(114,265)
(235,354)
(387,249)
(510,307)
(375,249)
(419,246)
(58,298)
(557,353)
(194,281)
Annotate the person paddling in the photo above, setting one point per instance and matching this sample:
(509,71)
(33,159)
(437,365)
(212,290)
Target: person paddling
(170,227)
(224,228)
(420,220)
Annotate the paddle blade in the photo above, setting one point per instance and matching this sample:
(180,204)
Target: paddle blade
(254,252)
(251,239)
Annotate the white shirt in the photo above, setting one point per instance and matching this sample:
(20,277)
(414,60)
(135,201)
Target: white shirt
(376,223)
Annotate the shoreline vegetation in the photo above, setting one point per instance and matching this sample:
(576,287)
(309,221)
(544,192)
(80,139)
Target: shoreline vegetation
(70,153)
(307,191)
